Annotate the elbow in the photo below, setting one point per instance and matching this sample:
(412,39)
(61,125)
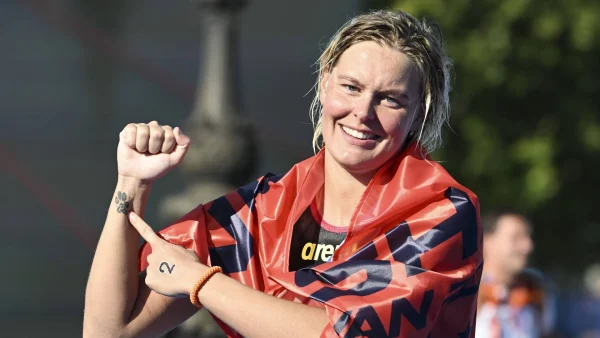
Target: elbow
(95,333)
(96,329)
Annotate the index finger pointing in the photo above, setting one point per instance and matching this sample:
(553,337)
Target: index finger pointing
(143,228)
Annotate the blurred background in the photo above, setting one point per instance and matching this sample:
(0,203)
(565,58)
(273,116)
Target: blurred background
(237,75)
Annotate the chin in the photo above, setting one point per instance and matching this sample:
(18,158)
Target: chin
(519,267)
(358,162)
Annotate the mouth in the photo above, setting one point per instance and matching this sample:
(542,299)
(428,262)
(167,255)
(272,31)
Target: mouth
(361,135)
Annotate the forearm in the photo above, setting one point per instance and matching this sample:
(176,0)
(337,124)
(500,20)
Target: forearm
(255,314)
(113,282)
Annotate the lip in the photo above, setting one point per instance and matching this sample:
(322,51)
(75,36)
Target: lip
(362,130)
(368,144)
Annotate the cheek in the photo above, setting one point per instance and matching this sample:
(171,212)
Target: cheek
(502,248)
(488,245)
(335,106)
(525,246)
(394,125)
(391,124)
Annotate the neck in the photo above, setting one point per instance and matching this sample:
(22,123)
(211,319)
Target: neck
(497,274)
(341,192)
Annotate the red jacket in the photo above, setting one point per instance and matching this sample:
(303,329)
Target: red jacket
(410,265)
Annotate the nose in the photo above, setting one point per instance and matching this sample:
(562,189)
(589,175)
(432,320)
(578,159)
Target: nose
(365,108)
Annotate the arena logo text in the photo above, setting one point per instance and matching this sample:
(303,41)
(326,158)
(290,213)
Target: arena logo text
(312,251)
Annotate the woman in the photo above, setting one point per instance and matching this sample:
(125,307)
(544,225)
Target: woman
(367,238)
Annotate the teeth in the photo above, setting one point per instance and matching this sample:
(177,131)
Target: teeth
(358,134)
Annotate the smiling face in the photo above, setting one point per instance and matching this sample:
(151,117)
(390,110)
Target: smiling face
(371,101)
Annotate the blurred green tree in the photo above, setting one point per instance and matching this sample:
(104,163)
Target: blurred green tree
(526,114)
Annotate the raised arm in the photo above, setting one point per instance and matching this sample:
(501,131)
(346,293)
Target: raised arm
(117,302)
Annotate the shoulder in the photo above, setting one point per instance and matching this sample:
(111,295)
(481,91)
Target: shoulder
(426,171)
(273,184)
(419,183)
(462,209)
(531,279)
(528,288)
(452,182)
(260,186)
(291,178)
(464,200)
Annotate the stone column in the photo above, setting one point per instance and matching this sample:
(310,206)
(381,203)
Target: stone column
(223,154)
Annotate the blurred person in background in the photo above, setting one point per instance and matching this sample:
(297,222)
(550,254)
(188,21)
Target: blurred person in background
(513,301)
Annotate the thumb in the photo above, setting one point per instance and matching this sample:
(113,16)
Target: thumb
(183,144)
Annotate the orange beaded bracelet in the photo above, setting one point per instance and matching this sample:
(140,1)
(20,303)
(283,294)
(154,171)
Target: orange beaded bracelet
(194,294)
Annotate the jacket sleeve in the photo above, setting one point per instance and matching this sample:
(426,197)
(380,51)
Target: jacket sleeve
(189,231)
(418,279)
(217,231)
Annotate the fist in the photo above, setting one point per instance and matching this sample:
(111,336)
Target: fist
(148,151)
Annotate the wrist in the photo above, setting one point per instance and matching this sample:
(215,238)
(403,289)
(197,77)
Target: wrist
(134,184)
(209,274)
(198,270)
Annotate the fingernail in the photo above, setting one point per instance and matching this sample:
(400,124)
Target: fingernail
(132,215)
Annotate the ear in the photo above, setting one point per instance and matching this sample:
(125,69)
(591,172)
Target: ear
(324,83)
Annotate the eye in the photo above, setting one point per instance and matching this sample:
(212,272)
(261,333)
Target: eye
(390,101)
(351,88)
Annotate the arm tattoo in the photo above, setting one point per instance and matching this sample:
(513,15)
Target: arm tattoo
(170,268)
(122,203)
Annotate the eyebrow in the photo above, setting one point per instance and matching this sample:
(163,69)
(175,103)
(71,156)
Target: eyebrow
(392,92)
(397,93)
(350,79)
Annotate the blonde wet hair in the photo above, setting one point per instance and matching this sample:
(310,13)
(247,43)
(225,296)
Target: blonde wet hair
(420,41)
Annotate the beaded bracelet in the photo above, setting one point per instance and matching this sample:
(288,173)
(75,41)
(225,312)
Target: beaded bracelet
(194,294)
